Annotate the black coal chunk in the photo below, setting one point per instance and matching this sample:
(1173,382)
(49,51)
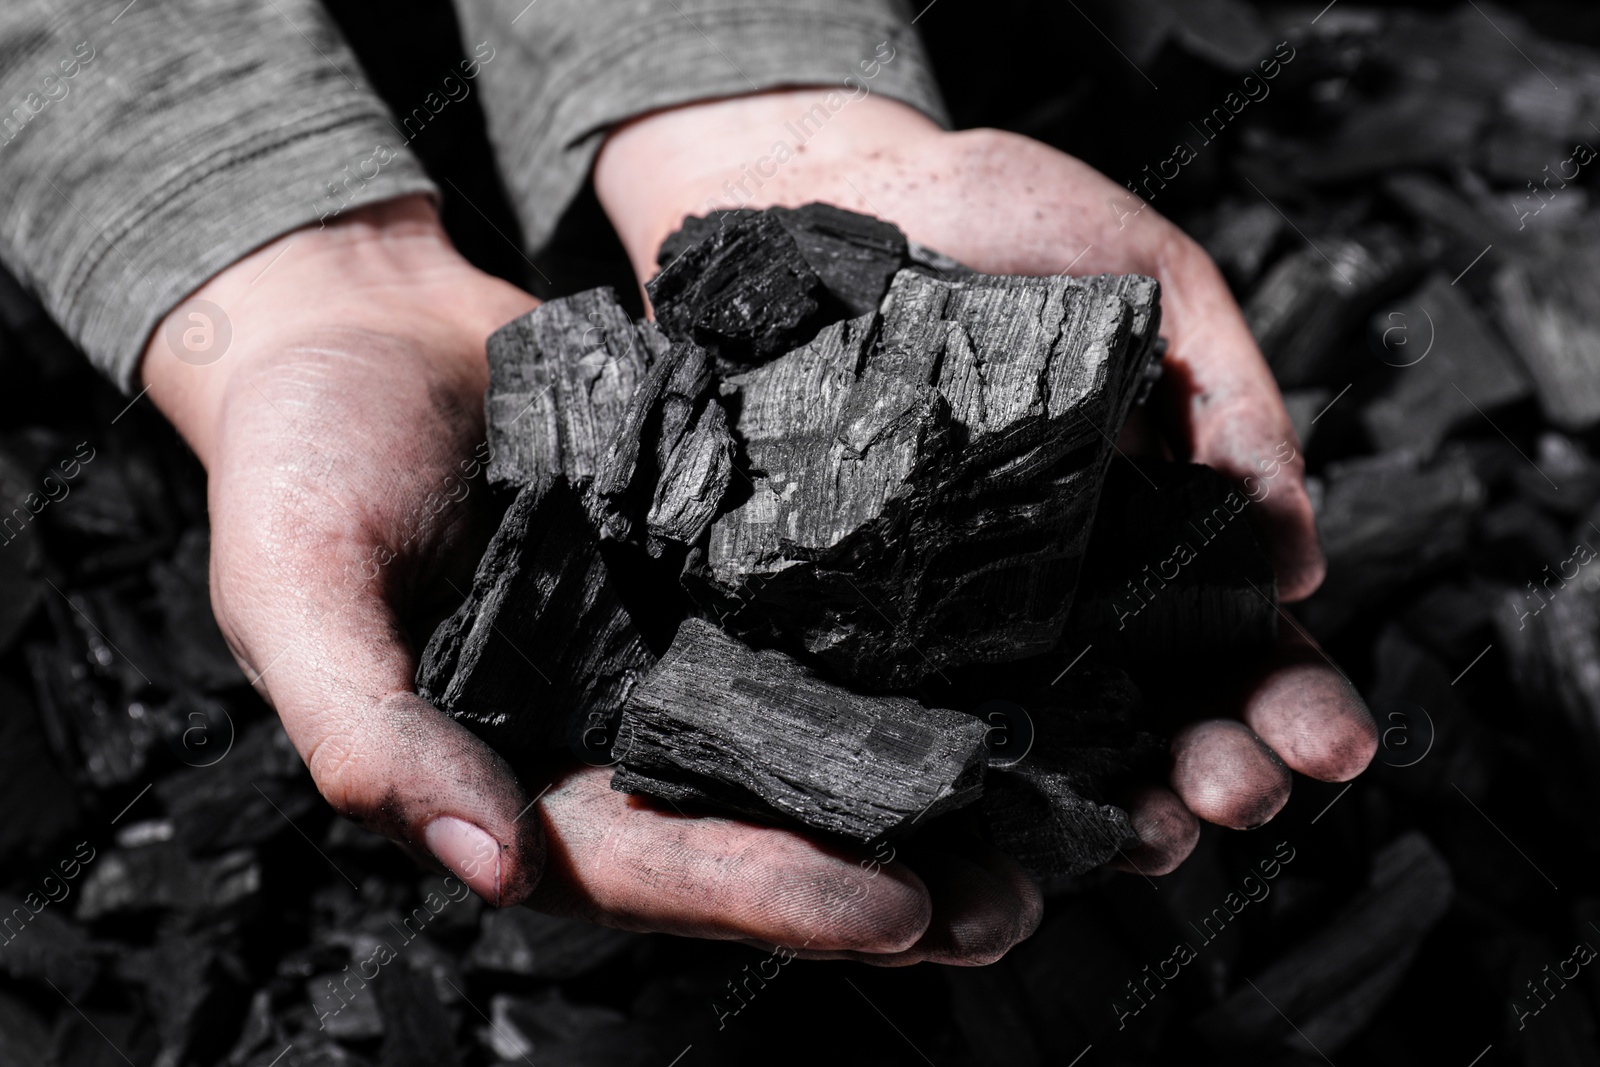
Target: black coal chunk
(543,646)
(854,256)
(1047,810)
(761,732)
(923,481)
(535,945)
(671,458)
(1385,520)
(1312,299)
(560,379)
(745,293)
(1549,306)
(1174,573)
(1335,980)
(1449,367)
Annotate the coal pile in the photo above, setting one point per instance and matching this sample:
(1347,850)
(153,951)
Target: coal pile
(778,468)
(162,899)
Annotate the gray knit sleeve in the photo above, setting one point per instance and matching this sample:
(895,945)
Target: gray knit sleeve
(564,71)
(145,146)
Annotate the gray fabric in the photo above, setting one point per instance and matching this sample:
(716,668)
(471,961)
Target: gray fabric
(146,146)
(567,70)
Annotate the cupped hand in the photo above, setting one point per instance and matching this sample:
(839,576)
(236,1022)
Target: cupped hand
(1004,204)
(332,384)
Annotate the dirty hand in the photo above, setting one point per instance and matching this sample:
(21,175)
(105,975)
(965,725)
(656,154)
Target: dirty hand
(332,384)
(1004,204)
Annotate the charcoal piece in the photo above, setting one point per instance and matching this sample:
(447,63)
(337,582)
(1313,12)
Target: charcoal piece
(758,724)
(535,945)
(1385,520)
(160,876)
(173,976)
(745,293)
(417,1031)
(555,1029)
(1335,980)
(1550,630)
(30,780)
(24,1039)
(1048,810)
(264,785)
(345,1012)
(1240,238)
(854,256)
(1315,297)
(1174,573)
(671,459)
(183,592)
(922,484)
(21,588)
(38,943)
(1549,306)
(1448,368)
(560,378)
(1567,464)
(543,647)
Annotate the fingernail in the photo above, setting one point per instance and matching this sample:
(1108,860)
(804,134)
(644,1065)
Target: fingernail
(472,854)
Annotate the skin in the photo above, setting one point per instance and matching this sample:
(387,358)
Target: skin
(334,430)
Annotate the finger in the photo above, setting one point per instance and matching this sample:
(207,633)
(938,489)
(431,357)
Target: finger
(1310,714)
(1227,775)
(1167,829)
(1234,416)
(620,861)
(329,657)
(977,917)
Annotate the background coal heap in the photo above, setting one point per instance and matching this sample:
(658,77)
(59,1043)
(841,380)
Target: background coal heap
(186,898)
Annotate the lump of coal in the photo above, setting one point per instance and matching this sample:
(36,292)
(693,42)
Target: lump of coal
(853,256)
(560,379)
(543,645)
(1174,572)
(530,943)
(924,480)
(1385,520)
(745,293)
(1313,298)
(671,457)
(760,732)
(1047,809)
(1448,367)
(1549,306)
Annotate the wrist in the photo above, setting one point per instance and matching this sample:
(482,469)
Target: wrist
(785,147)
(381,268)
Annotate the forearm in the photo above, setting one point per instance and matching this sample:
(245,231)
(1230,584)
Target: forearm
(147,150)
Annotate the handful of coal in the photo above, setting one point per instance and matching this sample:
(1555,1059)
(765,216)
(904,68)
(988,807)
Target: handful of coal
(806,546)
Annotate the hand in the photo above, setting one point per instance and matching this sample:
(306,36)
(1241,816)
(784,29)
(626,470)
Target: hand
(1004,204)
(342,429)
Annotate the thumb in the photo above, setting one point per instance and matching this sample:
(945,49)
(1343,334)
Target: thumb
(339,674)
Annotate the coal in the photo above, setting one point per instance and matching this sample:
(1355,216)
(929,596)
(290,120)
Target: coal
(1449,368)
(543,647)
(560,379)
(671,456)
(1047,810)
(1334,981)
(745,293)
(923,482)
(1385,520)
(1548,307)
(853,256)
(1318,295)
(528,943)
(761,733)
(1174,573)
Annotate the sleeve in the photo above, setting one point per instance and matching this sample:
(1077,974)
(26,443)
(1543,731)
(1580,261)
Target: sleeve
(145,146)
(556,74)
